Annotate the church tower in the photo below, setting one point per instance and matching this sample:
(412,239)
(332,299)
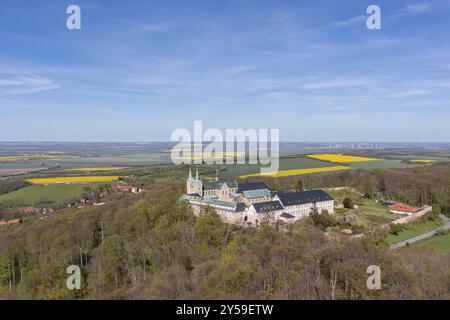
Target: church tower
(194,185)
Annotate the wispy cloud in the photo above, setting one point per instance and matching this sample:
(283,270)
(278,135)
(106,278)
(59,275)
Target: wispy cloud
(416,8)
(408,93)
(24,84)
(350,22)
(344,82)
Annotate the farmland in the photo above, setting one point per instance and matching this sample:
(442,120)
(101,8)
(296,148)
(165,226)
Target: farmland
(40,194)
(76,179)
(294,163)
(29,157)
(296,172)
(422,160)
(96,169)
(340,158)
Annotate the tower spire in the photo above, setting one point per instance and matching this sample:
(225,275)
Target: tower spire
(190,174)
(196,175)
(217,174)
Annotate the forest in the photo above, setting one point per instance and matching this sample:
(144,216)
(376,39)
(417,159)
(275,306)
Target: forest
(153,247)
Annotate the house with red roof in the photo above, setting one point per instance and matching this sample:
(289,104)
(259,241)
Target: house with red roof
(401,208)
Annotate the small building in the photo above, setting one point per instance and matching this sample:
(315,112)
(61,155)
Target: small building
(7,223)
(405,209)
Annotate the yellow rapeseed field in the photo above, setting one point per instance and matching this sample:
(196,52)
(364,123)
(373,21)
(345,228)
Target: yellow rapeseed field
(79,179)
(340,158)
(30,157)
(295,172)
(97,169)
(423,161)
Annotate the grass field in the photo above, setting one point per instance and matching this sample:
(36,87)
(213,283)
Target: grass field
(415,230)
(340,158)
(382,164)
(78,179)
(235,170)
(439,243)
(97,169)
(45,194)
(296,172)
(368,212)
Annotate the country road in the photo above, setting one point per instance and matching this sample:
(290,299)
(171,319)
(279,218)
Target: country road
(423,236)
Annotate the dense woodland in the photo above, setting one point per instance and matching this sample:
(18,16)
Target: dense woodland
(10,185)
(152,247)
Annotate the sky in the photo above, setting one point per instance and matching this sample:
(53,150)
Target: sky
(137,70)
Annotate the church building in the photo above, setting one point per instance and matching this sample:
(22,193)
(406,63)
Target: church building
(253,203)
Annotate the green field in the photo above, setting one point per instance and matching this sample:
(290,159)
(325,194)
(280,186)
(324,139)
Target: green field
(305,163)
(439,243)
(45,194)
(235,170)
(415,229)
(382,164)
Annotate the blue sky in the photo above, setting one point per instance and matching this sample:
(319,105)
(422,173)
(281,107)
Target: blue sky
(137,70)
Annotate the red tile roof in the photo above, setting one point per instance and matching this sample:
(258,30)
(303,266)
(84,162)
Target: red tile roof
(403,208)
(13,221)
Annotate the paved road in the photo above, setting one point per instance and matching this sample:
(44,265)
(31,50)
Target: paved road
(423,236)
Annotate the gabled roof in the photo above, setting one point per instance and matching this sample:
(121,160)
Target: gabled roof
(403,208)
(263,207)
(287,215)
(251,186)
(231,184)
(259,193)
(213,185)
(303,197)
(240,206)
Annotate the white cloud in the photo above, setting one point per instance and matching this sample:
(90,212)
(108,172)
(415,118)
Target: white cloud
(345,82)
(408,93)
(23,84)
(417,7)
(350,22)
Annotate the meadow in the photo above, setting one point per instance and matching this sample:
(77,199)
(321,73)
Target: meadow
(40,194)
(438,243)
(414,229)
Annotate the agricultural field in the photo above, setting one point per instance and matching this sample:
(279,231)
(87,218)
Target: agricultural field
(296,172)
(94,169)
(73,180)
(422,161)
(30,157)
(340,158)
(43,194)
(207,156)
(382,164)
(235,170)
